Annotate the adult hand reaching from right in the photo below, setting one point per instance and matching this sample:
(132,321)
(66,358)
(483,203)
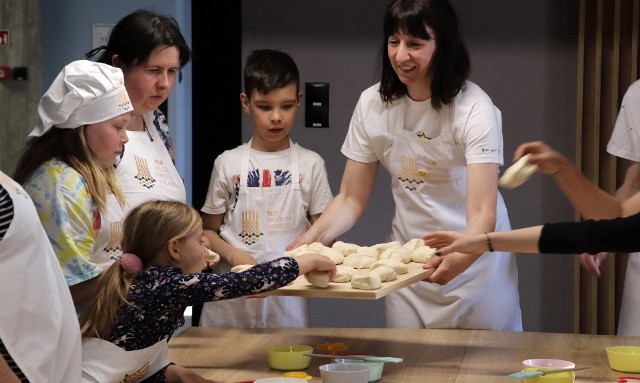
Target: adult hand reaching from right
(546,158)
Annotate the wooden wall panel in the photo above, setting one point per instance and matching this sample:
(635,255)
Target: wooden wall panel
(19,99)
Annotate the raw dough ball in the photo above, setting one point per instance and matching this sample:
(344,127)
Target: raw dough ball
(344,274)
(413,244)
(518,173)
(336,256)
(358,261)
(399,254)
(381,247)
(367,251)
(385,273)
(316,247)
(423,254)
(399,267)
(345,248)
(240,268)
(318,278)
(302,249)
(366,282)
(385,253)
(212,256)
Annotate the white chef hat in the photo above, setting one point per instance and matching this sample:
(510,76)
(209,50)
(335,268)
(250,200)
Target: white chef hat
(85,92)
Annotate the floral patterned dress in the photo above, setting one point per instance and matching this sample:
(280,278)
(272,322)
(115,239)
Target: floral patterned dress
(159,296)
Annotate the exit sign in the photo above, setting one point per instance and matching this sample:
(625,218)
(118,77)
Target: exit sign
(4,37)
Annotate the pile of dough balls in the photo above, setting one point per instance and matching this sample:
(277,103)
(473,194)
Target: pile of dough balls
(385,261)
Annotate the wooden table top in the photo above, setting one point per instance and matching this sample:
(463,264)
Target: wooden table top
(441,356)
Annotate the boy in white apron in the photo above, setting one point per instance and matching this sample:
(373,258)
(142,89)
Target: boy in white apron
(262,193)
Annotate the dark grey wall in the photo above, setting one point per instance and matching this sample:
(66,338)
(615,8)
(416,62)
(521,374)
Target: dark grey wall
(524,55)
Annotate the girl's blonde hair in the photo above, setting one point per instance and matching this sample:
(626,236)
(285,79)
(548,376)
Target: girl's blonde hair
(146,231)
(70,146)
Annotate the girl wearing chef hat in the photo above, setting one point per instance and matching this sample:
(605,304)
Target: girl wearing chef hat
(440,138)
(67,167)
(142,296)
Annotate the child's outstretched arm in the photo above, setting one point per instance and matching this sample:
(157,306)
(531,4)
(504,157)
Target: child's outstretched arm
(232,255)
(315,262)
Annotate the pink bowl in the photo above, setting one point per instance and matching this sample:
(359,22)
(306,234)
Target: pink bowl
(553,363)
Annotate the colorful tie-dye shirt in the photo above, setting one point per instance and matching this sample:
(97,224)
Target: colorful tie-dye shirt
(69,216)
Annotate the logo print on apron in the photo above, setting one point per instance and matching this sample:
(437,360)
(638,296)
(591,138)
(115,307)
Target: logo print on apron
(137,376)
(144,175)
(410,175)
(115,239)
(250,227)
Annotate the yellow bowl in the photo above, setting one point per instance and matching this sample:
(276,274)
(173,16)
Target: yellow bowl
(289,356)
(560,377)
(624,358)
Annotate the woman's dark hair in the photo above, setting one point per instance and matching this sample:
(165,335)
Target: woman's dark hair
(137,35)
(450,63)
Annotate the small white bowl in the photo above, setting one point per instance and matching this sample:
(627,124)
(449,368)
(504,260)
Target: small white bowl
(345,373)
(376,367)
(551,363)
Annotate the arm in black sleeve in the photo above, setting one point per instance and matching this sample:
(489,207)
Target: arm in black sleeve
(620,234)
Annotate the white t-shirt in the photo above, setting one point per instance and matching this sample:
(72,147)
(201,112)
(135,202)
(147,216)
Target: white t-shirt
(625,139)
(475,125)
(625,143)
(267,168)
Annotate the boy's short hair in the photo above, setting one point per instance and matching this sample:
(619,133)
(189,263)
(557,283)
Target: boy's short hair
(269,69)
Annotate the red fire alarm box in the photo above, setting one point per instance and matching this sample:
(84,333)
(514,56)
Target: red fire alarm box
(4,73)
(4,37)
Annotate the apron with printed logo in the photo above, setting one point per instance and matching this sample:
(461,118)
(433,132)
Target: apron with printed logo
(145,172)
(104,362)
(264,221)
(429,184)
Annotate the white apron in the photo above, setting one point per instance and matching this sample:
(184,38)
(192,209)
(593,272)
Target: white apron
(145,172)
(429,184)
(629,323)
(104,362)
(38,325)
(264,221)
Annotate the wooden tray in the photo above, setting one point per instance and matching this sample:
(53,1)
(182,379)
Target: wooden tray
(301,288)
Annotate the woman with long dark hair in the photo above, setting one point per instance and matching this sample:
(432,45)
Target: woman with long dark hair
(439,136)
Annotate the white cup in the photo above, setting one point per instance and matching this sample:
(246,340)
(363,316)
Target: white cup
(345,373)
